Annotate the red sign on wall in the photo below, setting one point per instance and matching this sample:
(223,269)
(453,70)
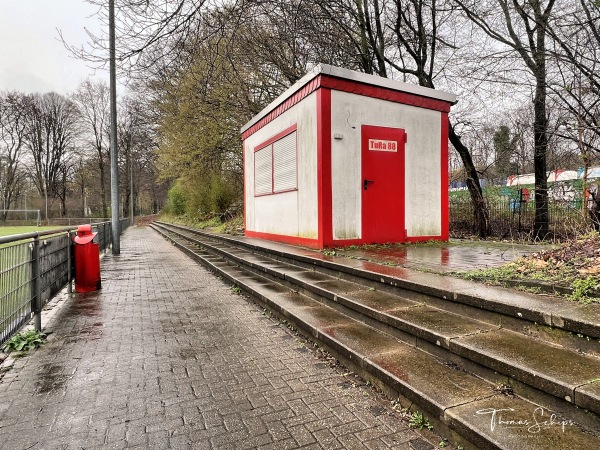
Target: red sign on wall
(383,146)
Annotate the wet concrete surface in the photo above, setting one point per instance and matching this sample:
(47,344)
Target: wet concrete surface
(441,257)
(166,356)
(434,324)
(438,386)
(497,422)
(459,255)
(556,370)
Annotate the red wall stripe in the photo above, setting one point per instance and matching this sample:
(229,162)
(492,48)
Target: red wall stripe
(444,195)
(324,190)
(245,191)
(293,240)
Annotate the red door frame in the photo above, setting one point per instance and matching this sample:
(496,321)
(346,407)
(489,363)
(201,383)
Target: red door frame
(382,184)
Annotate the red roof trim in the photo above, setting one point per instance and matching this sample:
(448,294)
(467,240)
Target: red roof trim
(309,88)
(352,87)
(381,93)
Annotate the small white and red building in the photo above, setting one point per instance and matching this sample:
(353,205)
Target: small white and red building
(344,158)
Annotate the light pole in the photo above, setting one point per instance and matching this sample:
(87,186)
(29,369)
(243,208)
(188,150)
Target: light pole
(131,209)
(114,160)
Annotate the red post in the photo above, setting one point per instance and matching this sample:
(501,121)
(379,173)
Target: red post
(87,260)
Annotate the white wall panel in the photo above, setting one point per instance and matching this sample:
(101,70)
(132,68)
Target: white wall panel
(276,213)
(291,213)
(422,157)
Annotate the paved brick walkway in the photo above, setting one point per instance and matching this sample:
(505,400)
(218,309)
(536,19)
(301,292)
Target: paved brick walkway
(166,356)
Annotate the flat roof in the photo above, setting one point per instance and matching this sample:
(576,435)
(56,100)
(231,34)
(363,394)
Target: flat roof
(358,77)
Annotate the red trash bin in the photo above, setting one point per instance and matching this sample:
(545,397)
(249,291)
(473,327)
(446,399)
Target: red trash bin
(87,260)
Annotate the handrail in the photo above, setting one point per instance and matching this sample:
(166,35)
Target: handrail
(33,235)
(38,234)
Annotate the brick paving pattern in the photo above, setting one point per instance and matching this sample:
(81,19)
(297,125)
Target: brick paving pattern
(166,356)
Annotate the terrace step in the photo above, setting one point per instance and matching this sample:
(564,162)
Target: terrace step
(435,357)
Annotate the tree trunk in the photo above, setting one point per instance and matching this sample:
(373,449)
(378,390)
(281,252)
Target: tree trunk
(83,200)
(540,130)
(480,210)
(103,190)
(540,125)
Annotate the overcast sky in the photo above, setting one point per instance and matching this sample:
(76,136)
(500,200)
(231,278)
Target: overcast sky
(32,58)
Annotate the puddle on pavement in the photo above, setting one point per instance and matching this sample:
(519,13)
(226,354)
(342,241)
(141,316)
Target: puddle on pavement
(442,257)
(86,305)
(377,410)
(187,353)
(345,385)
(93,331)
(51,377)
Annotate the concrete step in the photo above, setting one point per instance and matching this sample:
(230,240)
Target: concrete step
(540,317)
(552,369)
(463,402)
(575,373)
(552,311)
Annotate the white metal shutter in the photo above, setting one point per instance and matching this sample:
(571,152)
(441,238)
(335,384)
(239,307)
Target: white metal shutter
(263,172)
(285,163)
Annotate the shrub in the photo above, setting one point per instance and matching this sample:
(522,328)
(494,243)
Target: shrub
(25,341)
(176,203)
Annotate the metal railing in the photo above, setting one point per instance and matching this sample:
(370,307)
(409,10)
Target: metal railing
(514,219)
(70,221)
(33,268)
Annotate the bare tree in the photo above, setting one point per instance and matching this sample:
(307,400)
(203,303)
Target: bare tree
(52,125)
(82,178)
(129,124)
(158,27)
(575,34)
(92,99)
(522,28)
(13,110)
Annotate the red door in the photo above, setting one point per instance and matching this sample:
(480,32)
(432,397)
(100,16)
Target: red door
(382,184)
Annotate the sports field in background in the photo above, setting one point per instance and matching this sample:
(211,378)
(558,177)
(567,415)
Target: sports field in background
(7,231)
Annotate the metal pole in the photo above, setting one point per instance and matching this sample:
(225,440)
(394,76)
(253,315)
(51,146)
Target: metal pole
(69,262)
(130,189)
(114,160)
(36,288)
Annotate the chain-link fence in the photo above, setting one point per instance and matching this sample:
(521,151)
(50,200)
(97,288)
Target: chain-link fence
(513,218)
